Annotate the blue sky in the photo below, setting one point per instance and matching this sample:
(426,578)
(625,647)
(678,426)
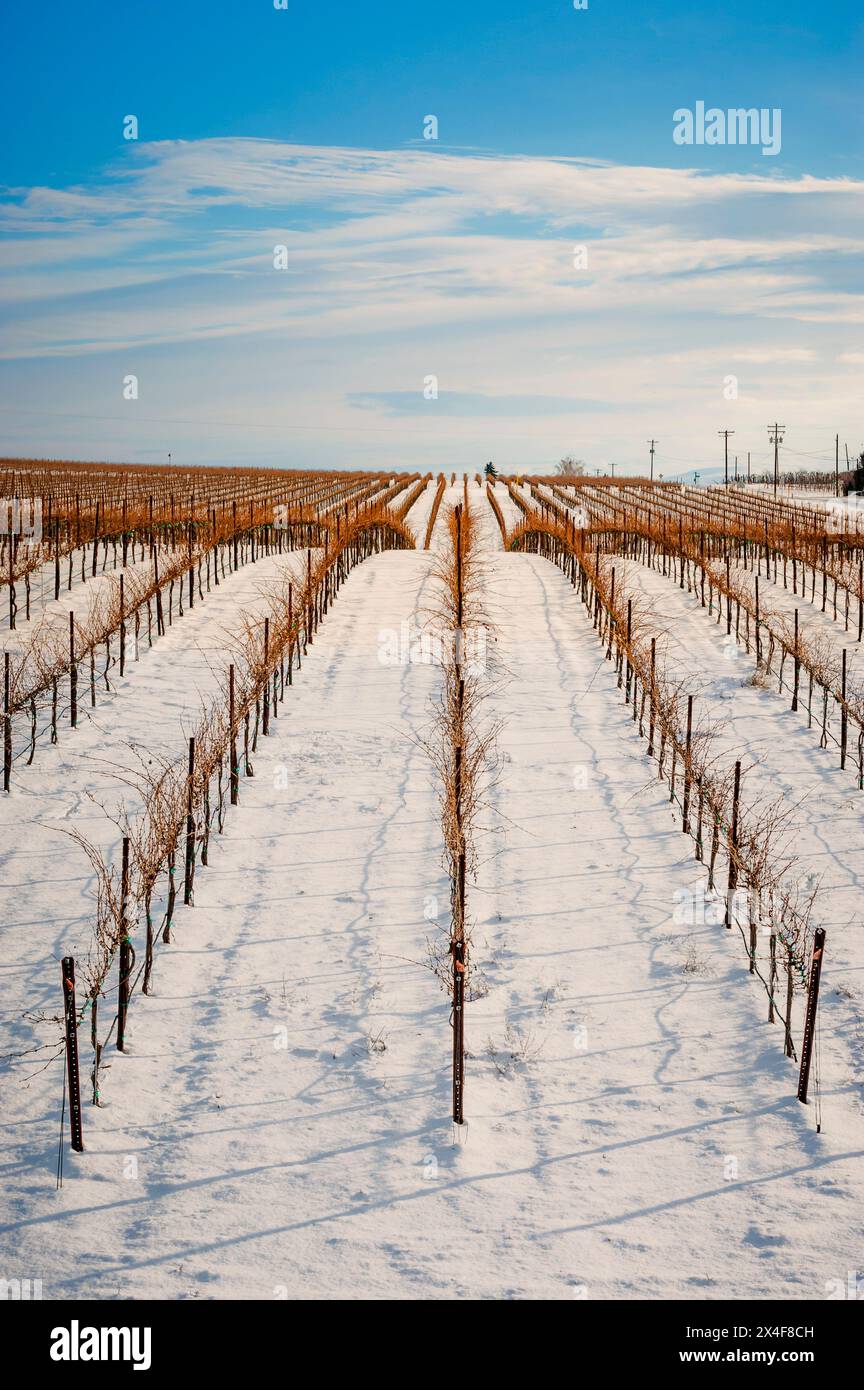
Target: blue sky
(407,258)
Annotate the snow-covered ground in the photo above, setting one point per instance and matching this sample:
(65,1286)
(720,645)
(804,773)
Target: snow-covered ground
(780,757)
(47,887)
(280,1124)
(80,595)
(418,514)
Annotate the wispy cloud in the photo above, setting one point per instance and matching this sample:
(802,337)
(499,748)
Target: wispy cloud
(401,264)
(476,405)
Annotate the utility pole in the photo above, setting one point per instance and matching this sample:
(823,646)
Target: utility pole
(776,438)
(726,434)
(836,465)
(652,442)
(748,465)
(736,468)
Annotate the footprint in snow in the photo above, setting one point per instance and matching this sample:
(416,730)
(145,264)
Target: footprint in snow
(762,1240)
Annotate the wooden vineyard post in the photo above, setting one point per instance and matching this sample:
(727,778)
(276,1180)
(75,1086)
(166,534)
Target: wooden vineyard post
(127,956)
(733,848)
(308,642)
(160,616)
(266,690)
(790,989)
(611,618)
(459,1012)
(234,777)
(73,1079)
(7,721)
(122,626)
(290,634)
(629,638)
(797,667)
(190,826)
(458,942)
(685,826)
(12,570)
(758,643)
(844,719)
(651,699)
(95,541)
(73,675)
(810,1016)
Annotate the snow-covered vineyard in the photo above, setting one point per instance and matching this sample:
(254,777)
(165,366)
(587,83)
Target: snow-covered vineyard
(296,763)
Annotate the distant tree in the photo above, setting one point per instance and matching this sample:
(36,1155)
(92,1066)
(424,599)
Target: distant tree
(569,467)
(491,471)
